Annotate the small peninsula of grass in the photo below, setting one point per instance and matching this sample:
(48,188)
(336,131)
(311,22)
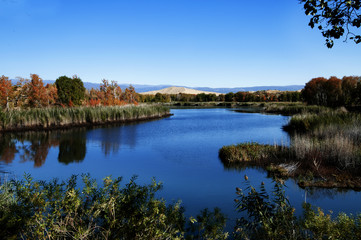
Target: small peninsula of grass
(59,117)
(324,151)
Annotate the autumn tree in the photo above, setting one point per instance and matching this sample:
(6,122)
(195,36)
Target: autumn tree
(36,92)
(6,91)
(95,97)
(349,89)
(52,94)
(70,90)
(112,93)
(130,96)
(20,97)
(313,92)
(334,18)
(333,92)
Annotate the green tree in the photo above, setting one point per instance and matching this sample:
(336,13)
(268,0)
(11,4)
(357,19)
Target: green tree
(334,18)
(70,90)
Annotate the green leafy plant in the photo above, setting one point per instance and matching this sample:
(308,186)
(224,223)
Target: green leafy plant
(60,210)
(267,216)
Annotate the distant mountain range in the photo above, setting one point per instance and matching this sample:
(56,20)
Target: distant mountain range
(146,88)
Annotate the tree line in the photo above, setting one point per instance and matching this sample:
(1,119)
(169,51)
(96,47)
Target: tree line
(259,96)
(333,92)
(66,91)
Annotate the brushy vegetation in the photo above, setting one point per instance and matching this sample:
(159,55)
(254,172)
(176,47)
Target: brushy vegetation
(44,118)
(270,216)
(60,210)
(32,209)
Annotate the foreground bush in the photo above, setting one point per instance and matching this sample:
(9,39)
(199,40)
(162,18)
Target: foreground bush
(270,216)
(60,210)
(53,210)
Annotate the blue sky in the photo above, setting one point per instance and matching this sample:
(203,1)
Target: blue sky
(208,43)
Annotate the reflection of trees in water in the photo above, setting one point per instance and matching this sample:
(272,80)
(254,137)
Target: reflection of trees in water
(31,146)
(7,148)
(72,147)
(111,138)
(35,146)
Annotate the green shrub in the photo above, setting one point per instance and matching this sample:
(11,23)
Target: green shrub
(268,216)
(44,210)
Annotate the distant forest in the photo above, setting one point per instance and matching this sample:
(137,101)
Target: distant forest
(332,92)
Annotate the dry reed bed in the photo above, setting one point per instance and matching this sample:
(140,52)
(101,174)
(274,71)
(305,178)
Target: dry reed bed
(46,118)
(325,145)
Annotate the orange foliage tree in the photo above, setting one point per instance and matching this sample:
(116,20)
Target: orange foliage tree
(349,89)
(314,92)
(130,96)
(332,92)
(36,92)
(111,93)
(6,91)
(52,94)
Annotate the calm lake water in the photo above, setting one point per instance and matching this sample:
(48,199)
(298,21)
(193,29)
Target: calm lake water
(181,151)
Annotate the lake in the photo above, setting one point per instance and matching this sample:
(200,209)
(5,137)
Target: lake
(181,151)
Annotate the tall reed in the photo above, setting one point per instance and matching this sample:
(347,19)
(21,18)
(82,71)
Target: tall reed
(330,138)
(45,118)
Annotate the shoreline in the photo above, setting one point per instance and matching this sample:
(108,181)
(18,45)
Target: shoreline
(86,124)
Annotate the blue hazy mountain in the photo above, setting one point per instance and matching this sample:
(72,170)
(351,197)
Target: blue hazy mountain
(146,88)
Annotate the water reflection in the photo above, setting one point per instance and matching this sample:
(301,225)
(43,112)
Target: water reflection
(35,146)
(30,146)
(72,146)
(71,143)
(7,148)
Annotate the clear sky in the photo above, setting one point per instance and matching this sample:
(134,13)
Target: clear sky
(204,43)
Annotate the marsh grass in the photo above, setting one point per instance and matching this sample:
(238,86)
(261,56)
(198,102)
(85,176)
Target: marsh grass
(305,122)
(252,154)
(329,138)
(293,108)
(325,145)
(45,118)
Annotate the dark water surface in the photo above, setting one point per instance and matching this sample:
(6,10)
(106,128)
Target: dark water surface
(181,151)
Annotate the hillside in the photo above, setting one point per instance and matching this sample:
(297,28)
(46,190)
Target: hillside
(178,90)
